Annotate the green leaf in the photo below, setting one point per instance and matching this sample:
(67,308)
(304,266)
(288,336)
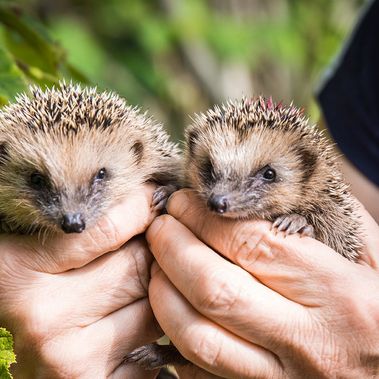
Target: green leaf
(12,79)
(7,357)
(83,51)
(28,41)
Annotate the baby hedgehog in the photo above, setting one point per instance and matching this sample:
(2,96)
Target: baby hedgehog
(67,154)
(254,159)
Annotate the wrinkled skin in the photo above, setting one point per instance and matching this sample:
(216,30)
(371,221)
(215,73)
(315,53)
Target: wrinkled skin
(279,307)
(77,304)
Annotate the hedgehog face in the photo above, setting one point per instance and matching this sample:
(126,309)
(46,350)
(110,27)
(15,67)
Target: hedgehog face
(67,209)
(256,173)
(64,184)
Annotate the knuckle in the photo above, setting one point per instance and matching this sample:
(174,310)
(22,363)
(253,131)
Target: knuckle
(216,293)
(206,348)
(251,243)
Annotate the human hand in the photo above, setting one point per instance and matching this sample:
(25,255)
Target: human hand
(73,310)
(282,307)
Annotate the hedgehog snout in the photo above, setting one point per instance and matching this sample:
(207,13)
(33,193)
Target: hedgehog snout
(73,223)
(218,203)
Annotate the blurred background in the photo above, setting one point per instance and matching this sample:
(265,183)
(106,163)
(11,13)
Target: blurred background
(175,57)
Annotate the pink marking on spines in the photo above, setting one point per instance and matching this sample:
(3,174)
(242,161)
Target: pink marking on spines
(270,103)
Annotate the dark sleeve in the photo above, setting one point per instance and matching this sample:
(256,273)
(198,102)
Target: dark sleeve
(349,97)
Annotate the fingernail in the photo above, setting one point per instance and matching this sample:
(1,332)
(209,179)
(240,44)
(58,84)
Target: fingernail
(178,203)
(155,226)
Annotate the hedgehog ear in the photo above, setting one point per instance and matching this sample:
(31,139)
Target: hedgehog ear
(192,139)
(3,152)
(137,150)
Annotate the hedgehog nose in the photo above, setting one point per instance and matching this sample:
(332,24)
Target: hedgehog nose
(73,223)
(218,203)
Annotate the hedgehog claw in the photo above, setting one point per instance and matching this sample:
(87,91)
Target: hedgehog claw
(308,231)
(293,223)
(161,195)
(277,222)
(153,356)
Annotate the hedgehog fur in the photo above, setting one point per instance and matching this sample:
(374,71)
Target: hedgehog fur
(231,149)
(76,151)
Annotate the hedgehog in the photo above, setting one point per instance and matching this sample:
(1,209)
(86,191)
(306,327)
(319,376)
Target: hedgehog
(256,159)
(68,153)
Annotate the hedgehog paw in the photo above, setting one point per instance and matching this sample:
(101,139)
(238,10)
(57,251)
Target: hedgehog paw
(153,356)
(294,223)
(161,195)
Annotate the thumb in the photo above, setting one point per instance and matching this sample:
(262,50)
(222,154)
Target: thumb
(62,252)
(191,371)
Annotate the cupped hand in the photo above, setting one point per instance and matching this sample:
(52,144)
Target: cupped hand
(277,307)
(77,304)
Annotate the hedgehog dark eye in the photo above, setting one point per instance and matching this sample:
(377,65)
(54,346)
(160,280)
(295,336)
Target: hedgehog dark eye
(38,181)
(102,173)
(269,174)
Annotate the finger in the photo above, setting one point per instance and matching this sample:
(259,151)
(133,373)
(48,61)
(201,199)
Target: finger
(217,288)
(62,252)
(299,268)
(123,331)
(133,371)
(104,343)
(205,343)
(192,371)
(109,283)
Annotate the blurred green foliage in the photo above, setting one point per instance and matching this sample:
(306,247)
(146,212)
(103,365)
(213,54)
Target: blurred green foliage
(7,357)
(174,57)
